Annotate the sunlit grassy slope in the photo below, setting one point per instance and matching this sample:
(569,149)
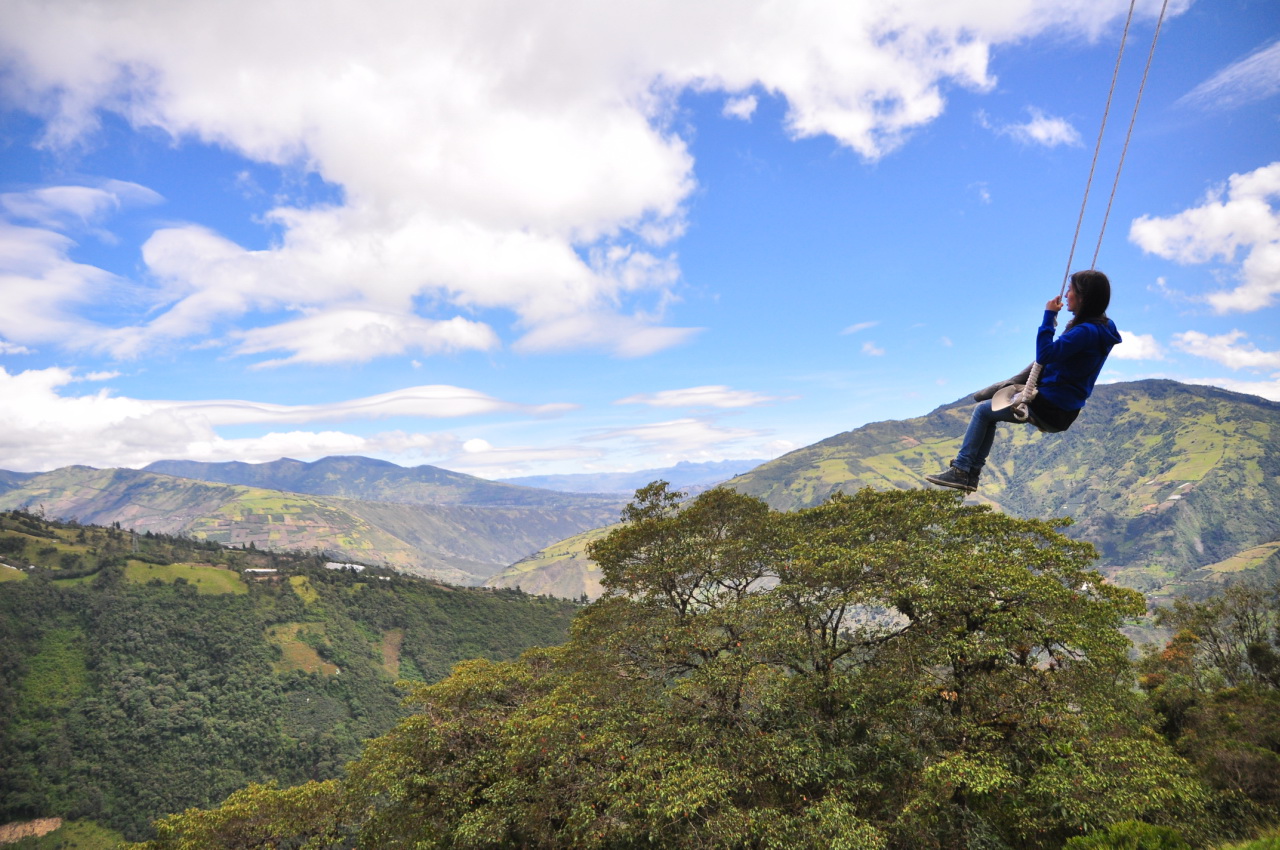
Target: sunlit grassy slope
(562,569)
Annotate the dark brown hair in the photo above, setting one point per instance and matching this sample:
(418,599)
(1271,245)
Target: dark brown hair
(1093,294)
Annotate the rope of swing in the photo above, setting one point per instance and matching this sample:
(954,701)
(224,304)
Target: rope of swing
(1128,135)
(1022,409)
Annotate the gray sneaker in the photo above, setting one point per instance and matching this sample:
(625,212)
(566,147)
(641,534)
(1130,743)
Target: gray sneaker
(956,478)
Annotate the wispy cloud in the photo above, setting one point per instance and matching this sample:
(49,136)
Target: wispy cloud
(689,438)
(58,206)
(1253,78)
(708,396)
(478,456)
(860,326)
(11,348)
(624,336)
(872,349)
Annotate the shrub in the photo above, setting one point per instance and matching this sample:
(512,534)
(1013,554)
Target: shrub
(1130,835)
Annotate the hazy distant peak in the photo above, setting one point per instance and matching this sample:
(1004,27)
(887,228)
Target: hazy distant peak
(685,475)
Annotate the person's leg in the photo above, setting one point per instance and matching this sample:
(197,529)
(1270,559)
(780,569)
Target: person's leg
(980,436)
(978,439)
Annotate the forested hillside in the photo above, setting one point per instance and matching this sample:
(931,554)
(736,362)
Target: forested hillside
(143,674)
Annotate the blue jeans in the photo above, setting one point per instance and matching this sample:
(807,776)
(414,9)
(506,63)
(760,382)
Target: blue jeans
(980,436)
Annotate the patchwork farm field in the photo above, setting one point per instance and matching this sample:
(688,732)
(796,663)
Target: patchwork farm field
(206,578)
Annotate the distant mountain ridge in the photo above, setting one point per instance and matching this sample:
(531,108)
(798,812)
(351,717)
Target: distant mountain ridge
(685,475)
(454,542)
(373,480)
(9,480)
(1176,484)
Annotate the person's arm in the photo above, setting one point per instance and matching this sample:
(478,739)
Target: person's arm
(1049,350)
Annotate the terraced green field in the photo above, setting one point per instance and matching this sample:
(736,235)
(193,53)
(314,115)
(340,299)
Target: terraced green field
(206,579)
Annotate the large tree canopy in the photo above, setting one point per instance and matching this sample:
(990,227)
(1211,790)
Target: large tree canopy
(888,669)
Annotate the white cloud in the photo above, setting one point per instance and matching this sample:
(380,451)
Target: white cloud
(690,438)
(741,108)
(1138,347)
(777,448)
(40,287)
(1041,129)
(1239,216)
(41,427)
(1253,78)
(360,335)
(1265,389)
(492,155)
(434,401)
(872,349)
(708,396)
(1225,349)
(860,326)
(625,336)
(11,348)
(479,457)
(55,206)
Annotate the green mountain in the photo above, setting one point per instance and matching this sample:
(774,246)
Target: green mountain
(1175,484)
(374,480)
(459,543)
(144,674)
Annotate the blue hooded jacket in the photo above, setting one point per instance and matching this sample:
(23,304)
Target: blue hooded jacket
(1071,363)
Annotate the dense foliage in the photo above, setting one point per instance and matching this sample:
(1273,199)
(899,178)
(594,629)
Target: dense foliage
(1216,688)
(893,670)
(137,683)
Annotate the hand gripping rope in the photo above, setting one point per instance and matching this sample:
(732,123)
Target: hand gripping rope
(1022,399)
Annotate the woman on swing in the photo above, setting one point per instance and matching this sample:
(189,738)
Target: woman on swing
(1070,365)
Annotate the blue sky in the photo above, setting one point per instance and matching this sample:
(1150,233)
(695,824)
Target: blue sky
(532,237)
